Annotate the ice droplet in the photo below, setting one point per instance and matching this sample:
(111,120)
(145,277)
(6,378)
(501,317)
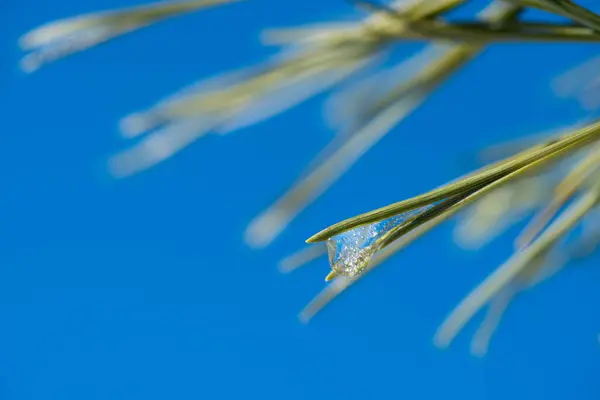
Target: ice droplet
(350,252)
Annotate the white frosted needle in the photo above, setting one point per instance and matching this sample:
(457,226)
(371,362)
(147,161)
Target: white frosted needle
(498,210)
(306,34)
(275,81)
(331,291)
(301,257)
(224,104)
(511,147)
(142,122)
(581,83)
(294,92)
(345,108)
(497,307)
(159,146)
(539,269)
(590,234)
(64,37)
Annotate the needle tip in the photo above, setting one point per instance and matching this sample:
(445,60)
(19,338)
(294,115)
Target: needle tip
(319,237)
(330,276)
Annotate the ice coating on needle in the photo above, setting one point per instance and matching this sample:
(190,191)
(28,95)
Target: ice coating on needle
(350,252)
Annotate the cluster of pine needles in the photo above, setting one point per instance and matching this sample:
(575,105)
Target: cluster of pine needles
(555,176)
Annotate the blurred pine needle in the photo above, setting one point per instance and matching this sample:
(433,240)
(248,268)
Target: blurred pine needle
(61,38)
(554,176)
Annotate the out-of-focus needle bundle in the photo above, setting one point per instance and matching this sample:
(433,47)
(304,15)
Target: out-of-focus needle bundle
(557,178)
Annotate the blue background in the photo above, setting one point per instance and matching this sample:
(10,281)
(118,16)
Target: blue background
(142,288)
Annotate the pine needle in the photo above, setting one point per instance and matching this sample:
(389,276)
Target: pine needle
(62,38)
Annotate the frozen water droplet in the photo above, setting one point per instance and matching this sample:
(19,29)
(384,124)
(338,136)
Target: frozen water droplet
(350,252)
